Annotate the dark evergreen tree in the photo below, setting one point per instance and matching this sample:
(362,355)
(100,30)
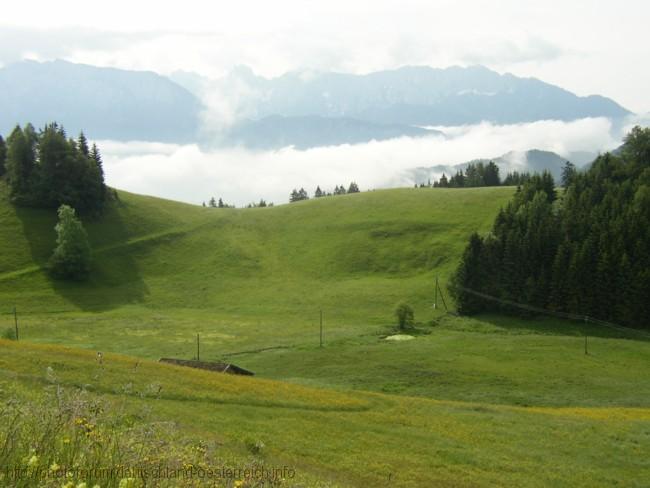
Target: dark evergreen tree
(586,254)
(353,188)
(568,173)
(3,156)
(318,193)
(21,158)
(82,144)
(47,169)
(491,175)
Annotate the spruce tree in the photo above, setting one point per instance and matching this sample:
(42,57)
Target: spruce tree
(3,156)
(353,188)
(568,173)
(19,163)
(82,144)
(491,175)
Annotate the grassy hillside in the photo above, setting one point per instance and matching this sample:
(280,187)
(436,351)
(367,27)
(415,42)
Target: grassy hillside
(466,402)
(329,438)
(247,279)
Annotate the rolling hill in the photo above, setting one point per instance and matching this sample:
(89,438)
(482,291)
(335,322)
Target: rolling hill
(466,402)
(354,256)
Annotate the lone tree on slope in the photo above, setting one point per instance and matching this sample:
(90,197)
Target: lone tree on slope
(71,257)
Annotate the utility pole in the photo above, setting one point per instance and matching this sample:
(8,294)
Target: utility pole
(16,321)
(198,357)
(435,300)
(321,328)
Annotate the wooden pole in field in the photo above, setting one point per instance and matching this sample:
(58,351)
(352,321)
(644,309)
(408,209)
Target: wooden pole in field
(321,328)
(198,347)
(16,321)
(435,300)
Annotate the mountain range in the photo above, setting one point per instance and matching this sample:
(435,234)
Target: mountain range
(106,103)
(303,109)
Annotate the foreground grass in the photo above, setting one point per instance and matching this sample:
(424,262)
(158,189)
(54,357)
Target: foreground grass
(363,439)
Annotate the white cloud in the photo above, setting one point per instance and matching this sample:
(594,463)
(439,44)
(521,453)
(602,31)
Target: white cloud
(240,176)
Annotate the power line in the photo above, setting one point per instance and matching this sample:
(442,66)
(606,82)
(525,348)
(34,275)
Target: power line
(564,315)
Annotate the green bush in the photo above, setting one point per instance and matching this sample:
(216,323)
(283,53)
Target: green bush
(405,316)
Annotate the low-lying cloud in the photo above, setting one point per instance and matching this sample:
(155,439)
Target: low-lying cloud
(192,174)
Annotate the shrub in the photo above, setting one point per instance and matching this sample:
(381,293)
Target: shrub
(405,316)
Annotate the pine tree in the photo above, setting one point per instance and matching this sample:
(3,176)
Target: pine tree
(3,156)
(20,162)
(443,181)
(212,203)
(82,144)
(568,173)
(491,175)
(318,193)
(353,188)
(97,158)
(220,204)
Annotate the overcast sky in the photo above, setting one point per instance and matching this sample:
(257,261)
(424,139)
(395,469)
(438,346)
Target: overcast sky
(586,46)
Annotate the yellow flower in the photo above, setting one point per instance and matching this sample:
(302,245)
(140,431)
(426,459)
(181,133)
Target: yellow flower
(54,466)
(33,461)
(69,484)
(82,485)
(239,483)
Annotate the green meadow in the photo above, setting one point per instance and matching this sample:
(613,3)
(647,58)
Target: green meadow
(482,401)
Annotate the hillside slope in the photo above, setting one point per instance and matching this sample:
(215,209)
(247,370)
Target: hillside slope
(360,253)
(328,438)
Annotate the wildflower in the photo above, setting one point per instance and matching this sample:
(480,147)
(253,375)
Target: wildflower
(69,484)
(54,466)
(82,485)
(33,461)
(239,483)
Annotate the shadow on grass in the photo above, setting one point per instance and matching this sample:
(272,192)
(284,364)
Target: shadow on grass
(114,278)
(548,326)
